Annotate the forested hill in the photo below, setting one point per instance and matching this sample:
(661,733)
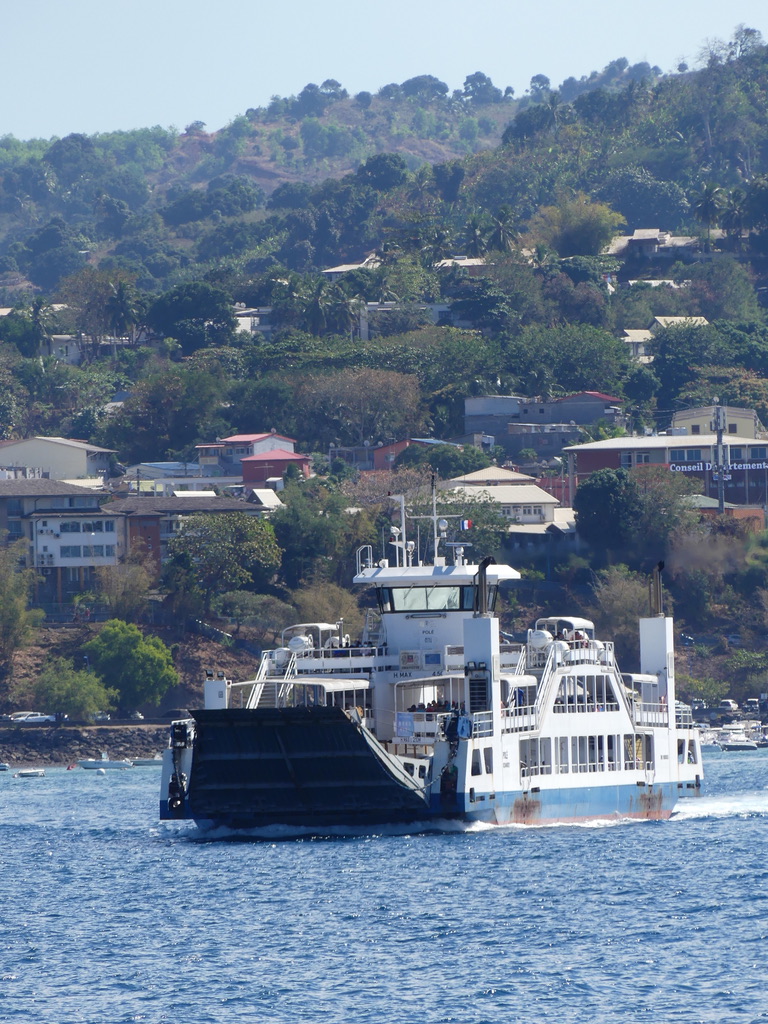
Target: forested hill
(159,203)
(103,236)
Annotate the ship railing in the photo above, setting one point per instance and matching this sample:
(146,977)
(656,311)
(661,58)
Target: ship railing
(646,713)
(549,679)
(421,726)
(336,659)
(578,652)
(510,657)
(519,719)
(267,679)
(578,707)
(531,771)
(587,767)
(482,723)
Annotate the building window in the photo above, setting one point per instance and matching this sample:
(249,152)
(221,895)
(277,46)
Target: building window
(70,526)
(625,460)
(757,453)
(71,551)
(695,428)
(109,550)
(733,428)
(642,458)
(93,551)
(685,455)
(109,526)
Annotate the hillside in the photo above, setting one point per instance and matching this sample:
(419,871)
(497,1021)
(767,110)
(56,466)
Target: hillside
(192,655)
(156,202)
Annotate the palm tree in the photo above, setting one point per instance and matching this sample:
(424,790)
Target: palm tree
(706,206)
(122,309)
(475,236)
(318,301)
(734,217)
(503,236)
(42,318)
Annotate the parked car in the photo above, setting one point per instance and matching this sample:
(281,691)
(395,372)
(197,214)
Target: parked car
(727,705)
(102,716)
(37,718)
(136,716)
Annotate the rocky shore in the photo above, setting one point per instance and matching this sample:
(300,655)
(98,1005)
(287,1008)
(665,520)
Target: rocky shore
(33,746)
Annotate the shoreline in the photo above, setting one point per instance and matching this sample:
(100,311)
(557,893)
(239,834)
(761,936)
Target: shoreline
(41,747)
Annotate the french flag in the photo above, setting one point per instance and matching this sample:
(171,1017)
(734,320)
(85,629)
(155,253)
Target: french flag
(465,524)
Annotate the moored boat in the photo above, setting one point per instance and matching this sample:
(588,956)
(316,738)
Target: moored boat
(735,738)
(428,715)
(104,762)
(29,773)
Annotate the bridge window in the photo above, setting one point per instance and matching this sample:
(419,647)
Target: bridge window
(430,599)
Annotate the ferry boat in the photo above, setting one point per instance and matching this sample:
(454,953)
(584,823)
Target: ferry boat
(432,714)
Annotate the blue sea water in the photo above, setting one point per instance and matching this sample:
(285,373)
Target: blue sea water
(109,916)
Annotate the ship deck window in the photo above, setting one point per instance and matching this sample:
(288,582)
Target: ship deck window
(476,767)
(430,599)
(488,758)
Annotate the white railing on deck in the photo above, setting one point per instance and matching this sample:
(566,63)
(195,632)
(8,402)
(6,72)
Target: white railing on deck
(650,714)
(519,719)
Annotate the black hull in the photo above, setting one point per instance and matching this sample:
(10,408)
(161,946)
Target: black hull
(307,766)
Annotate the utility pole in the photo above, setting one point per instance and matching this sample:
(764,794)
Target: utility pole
(719,425)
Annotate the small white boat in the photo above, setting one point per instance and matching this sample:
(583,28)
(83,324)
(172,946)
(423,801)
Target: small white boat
(148,762)
(735,739)
(104,761)
(29,773)
(4,766)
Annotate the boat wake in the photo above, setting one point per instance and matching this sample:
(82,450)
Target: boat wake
(279,833)
(735,805)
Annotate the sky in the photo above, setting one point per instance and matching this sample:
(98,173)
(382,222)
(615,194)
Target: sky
(108,65)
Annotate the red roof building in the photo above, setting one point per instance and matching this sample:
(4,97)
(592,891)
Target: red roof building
(257,469)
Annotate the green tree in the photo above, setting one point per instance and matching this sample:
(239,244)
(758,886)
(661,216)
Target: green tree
(60,689)
(664,509)
(197,314)
(575,227)
(125,587)
(264,614)
(17,620)
(707,205)
(621,599)
(139,667)
(167,412)
(607,508)
(448,460)
(317,534)
(227,551)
